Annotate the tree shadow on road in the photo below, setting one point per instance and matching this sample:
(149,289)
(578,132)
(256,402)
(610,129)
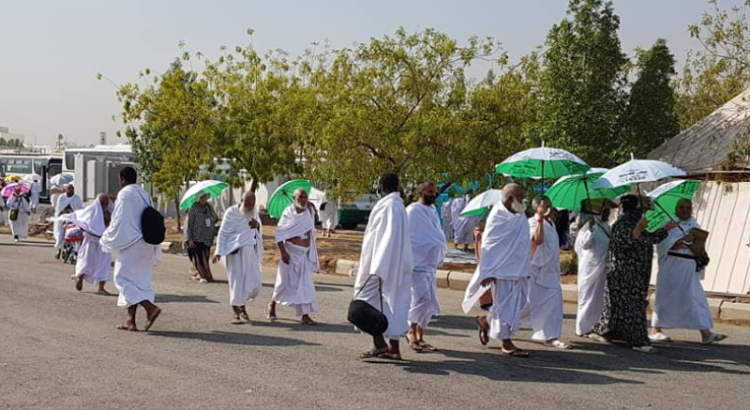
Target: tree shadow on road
(183,299)
(244,339)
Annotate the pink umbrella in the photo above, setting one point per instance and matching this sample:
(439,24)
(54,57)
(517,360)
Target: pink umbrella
(8,190)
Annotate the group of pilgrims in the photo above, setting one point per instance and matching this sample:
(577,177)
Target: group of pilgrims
(517,279)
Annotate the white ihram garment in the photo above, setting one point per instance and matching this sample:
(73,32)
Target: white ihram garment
(428,250)
(242,249)
(294,281)
(545,307)
(329,216)
(463,226)
(19,227)
(447,220)
(680,299)
(134,258)
(63,201)
(592,248)
(505,249)
(92,263)
(386,260)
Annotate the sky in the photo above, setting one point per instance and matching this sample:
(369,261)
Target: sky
(51,50)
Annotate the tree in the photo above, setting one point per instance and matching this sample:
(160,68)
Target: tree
(651,116)
(392,105)
(256,119)
(170,125)
(583,82)
(498,120)
(720,70)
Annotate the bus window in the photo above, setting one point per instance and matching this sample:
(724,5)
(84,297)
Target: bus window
(19,166)
(54,168)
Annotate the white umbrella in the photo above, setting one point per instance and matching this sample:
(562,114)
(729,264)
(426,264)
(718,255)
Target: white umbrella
(61,179)
(479,204)
(637,171)
(32,178)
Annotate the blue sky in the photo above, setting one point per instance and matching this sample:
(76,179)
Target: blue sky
(50,51)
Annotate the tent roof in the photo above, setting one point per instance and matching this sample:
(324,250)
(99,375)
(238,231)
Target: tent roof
(705,145)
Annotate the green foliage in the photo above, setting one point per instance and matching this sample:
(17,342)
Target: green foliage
(11,143)
(651,116)
(720,70)
(583,83)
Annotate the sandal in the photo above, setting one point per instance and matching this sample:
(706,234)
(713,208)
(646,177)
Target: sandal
(515,353)
(484,338)
(245,316)
(428,347)
(269,316)
(414,345)
(715,337)
(236,320)
(125,326)
(388,355)
(373,353)
(150,322)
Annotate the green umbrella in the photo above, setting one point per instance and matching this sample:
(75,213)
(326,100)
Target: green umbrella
(568,192)
(209,187)
(665,200)
(542,163)
(283,196)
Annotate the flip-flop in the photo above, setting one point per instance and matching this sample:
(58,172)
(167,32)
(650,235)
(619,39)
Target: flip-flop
(714,338)
(414,345)
(484,338)
(150,322)
(428,347)
(515,353)
(373,353)
(269,316)
(123,326)
(245,316)
(390,356)
(236,321)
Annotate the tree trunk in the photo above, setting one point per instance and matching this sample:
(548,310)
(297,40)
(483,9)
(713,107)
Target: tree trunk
(177,211)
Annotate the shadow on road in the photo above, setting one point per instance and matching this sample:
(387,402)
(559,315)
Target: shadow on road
(296,326)
(30,244)
(244,339)
(576,366)
(183,299)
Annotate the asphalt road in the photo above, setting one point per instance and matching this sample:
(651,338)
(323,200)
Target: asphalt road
(59,349)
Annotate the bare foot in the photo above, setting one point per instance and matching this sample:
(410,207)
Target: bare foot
(79,283)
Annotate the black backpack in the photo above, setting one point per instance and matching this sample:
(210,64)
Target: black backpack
(152,225)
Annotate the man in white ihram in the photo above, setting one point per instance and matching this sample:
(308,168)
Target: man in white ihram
(134,258)
(295,237)
(428,247)
(384,276)
(35,190)
(592,248)
(68,203)
(463,226)
(93,264)
(680,300)
(240,242)
(545,306)
(447,220)
(504,268)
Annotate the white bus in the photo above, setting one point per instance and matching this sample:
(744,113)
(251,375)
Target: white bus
(25,164)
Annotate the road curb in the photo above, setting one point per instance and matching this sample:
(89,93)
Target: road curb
(457,280)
